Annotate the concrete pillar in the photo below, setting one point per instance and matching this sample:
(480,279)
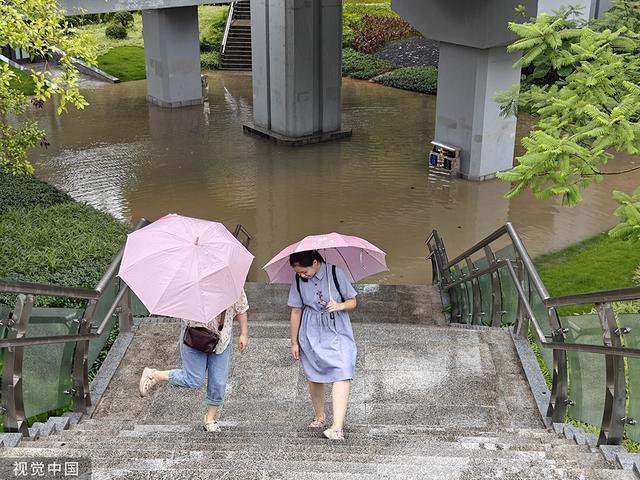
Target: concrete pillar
(297,70)
(172,56)
(466,114)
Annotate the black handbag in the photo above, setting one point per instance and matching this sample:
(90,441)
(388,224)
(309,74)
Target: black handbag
(201,338)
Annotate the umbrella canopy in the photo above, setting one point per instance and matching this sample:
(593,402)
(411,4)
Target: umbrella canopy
(185,267)
(355,256)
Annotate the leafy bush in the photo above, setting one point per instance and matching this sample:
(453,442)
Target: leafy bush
(123,18)
(69,244)
(26,191)
(211,38)
(372,32)
(115,31)
(363,66)
(210,60)
(418,79)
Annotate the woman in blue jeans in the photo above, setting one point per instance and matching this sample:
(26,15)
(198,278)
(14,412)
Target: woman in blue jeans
(195,363)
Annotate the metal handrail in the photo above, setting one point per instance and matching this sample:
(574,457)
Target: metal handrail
(614,416)
(227,26)
(28,288)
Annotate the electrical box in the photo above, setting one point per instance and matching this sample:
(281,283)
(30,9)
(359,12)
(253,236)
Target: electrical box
(444,159)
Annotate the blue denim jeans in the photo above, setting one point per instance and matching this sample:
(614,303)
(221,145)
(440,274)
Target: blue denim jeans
(194,365)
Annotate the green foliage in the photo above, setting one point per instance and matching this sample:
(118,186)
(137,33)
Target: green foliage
(38,27)
(211,34)
(581,268)
(23,83)
(25,191)
(126,63)
(363,66)
(115,31)
(591,111)
(372,32)
(629,214)
(418,79)
(353,11)
(210,60)
(624,13)
(123,18)
(69,244)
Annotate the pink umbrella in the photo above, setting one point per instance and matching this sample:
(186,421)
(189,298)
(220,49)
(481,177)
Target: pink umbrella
(185,267)
(355,256)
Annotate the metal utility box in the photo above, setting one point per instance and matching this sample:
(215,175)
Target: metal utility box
(444,159)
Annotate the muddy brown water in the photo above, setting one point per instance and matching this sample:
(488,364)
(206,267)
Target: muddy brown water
(136,160)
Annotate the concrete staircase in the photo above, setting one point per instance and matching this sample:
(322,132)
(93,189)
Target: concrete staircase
(428,402)
(237,53)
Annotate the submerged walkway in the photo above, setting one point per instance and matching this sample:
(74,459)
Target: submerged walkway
(428,402)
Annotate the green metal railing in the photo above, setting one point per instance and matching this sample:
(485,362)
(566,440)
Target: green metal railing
(585,354)
(47,352)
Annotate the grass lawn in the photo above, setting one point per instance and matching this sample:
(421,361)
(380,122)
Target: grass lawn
(600,263)
(24,83)
(126,63)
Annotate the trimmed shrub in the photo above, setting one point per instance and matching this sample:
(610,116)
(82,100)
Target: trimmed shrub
(123,18)
(363,66)
(210,60)
(116,31)
(69,244)
(26,191)
(418,79)
(372,32)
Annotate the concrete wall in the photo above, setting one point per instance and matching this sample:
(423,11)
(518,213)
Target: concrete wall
(84,7)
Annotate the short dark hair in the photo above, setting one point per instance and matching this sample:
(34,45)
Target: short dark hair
(305,259)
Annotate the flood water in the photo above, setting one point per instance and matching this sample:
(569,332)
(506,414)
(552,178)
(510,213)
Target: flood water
(136,160)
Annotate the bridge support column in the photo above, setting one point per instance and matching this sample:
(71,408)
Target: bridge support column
(297,70)
(172,56)
(466,114)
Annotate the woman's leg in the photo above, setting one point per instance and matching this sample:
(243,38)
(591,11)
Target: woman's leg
(191,375)
(194,363)
(218,372)
(316,390)
(340,397)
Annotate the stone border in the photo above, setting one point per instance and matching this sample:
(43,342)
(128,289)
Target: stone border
(295,141)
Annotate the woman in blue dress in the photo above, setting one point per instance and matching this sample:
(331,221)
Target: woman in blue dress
(321,334)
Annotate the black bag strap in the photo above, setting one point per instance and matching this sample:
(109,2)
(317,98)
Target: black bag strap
(335,280)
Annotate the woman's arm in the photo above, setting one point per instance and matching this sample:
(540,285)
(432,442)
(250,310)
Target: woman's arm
(296,313)
(243,340)
(347,305)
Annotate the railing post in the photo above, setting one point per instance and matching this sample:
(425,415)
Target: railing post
(559,391)
(125,317)
(496,293)
(12,381)
(615,400)
(476,301)
(80,389)
(522,320)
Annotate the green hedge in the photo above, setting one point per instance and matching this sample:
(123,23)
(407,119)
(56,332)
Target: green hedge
(27,191)
(210,60)
(68,244)
(363,66)
(418,79)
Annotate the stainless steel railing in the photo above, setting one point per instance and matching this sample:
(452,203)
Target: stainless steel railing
(227,27)
(461,291)
(13,346)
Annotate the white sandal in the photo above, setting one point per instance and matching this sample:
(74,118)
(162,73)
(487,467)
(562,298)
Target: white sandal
(211,426)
